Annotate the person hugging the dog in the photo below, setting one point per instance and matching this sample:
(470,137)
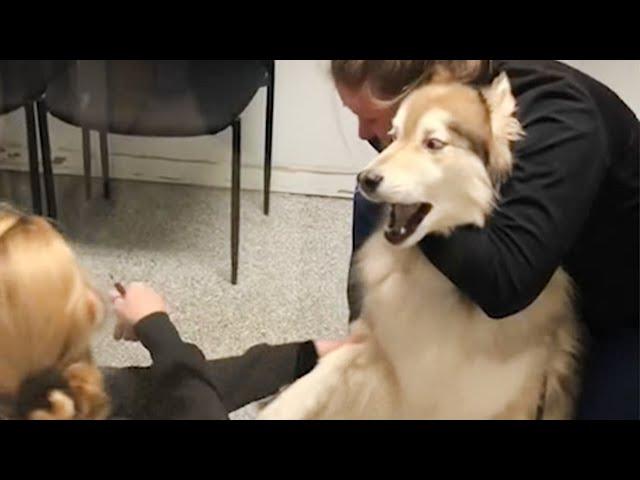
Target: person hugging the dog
(571,201)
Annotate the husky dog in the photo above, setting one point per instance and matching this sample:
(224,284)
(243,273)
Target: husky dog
(428,352)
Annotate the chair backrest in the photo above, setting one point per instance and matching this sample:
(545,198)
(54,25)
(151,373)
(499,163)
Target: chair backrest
(24,81)
(269,66)
(156,97)
(165,77)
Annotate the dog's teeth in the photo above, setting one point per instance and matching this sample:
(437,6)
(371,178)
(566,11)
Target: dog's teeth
(403,230)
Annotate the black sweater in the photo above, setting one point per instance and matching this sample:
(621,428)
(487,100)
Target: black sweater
(182,385)
(572,201)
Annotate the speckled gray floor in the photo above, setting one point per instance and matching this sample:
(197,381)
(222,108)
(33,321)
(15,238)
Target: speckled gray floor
(293,263)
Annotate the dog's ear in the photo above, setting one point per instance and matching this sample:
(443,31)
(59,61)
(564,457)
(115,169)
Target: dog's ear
(505,127)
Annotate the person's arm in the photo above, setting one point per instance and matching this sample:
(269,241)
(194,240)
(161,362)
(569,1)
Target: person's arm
(188,378)
(181,387)
(188,384)
(260,372)
(559,168)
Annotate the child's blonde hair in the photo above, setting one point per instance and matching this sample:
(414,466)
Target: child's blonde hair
(48,312)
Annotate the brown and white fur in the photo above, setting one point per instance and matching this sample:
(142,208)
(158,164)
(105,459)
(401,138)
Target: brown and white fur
(428,351)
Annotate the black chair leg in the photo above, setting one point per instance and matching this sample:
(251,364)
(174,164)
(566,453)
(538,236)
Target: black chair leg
(235,201)
(268,141)
(104,157)
(32,150)
(47,169)
(86,156)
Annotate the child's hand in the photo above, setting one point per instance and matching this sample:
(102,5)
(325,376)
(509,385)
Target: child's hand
(325,347)
(139,301)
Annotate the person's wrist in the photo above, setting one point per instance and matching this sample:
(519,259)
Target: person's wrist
(149,316)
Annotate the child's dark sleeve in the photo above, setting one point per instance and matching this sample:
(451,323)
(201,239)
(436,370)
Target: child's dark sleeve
(260,372)
(190,387)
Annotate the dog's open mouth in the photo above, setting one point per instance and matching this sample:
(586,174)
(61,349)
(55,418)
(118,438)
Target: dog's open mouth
(404,220)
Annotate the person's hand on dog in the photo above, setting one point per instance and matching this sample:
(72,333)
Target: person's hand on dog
(137,302)
(324,347)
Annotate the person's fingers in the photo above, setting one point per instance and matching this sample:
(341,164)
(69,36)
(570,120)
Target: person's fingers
(356,338)
(113,294)
(118,304)
(323,347)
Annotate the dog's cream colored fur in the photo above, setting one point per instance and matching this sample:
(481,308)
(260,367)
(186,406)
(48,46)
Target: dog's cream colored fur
(429,352)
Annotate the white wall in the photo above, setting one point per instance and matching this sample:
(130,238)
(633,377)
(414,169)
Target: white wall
(315,151)
(622,76)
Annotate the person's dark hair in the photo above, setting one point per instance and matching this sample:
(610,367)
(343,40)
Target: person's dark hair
(389,79)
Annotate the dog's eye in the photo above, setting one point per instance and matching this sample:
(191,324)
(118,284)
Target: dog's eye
(434,144)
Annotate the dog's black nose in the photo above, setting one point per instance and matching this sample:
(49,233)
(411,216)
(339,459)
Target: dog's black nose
(369,181)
